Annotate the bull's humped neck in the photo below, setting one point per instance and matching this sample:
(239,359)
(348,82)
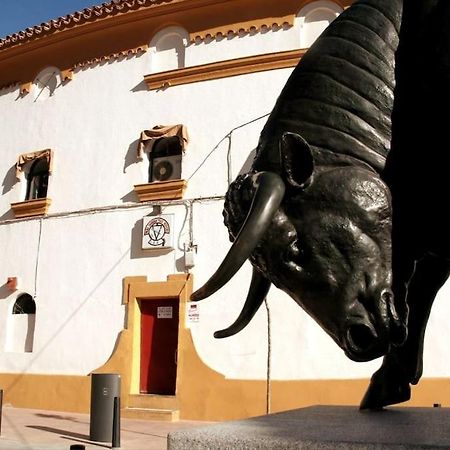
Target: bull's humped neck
(340,96)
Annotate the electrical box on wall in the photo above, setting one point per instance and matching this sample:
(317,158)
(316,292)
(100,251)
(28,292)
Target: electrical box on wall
(157,232)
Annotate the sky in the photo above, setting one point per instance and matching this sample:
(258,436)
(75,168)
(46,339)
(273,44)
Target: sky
(16,15)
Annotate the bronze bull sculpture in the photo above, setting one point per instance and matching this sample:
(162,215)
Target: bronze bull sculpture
(328,211)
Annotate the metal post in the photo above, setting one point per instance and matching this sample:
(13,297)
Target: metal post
(116,424)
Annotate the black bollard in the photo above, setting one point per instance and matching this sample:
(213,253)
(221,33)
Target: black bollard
(116,425)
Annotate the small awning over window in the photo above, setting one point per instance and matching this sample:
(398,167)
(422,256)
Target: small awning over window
(148,137)
(27,157)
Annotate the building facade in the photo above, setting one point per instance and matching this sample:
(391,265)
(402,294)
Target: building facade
(122,126)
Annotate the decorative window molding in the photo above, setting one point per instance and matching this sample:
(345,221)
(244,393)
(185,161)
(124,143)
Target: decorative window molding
(161,190)
(164,145)
(168,49)
(224,69)
(31,208)
(25,158)
(40,168)
(314,18)
(149,137)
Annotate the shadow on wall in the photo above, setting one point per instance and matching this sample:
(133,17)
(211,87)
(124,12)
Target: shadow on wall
(8,215)
(10,180)
(142,86)
(131,156)
(130,197)
(5,292)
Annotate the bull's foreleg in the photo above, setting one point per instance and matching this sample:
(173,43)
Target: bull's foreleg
(402,366)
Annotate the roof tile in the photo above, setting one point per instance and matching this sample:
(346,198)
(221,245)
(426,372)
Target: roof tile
(70,20)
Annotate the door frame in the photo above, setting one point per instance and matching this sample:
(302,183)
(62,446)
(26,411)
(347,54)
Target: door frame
(176,287)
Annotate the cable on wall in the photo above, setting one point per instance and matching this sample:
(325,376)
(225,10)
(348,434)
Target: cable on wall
(227,136)
(36,267)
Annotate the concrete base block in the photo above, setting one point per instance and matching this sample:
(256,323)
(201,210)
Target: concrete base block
(324,427)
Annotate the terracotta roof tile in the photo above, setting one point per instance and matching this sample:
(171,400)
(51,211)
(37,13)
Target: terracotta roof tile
(79,17)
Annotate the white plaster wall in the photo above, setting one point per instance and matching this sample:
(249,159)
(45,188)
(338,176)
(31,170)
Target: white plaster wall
(75,264)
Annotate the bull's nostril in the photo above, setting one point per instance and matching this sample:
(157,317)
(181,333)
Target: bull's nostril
(360,337)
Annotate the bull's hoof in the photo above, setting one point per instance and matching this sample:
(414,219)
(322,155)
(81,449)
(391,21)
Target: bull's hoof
(385,388)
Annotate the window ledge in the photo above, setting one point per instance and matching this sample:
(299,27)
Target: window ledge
(161,190)
(31,208)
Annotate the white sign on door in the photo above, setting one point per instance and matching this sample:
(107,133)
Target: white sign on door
(165,312)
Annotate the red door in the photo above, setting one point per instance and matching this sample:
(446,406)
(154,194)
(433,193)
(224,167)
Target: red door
(159,343)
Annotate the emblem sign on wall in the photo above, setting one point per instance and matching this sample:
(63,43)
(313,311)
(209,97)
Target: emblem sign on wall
(157,232)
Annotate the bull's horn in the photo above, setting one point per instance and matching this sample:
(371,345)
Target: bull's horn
(266,200)
(259,287)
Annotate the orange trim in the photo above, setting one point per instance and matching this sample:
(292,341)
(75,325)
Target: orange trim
(31,208)
(66,75)
(121,7)
(82,38)
(161,190)
(25,88)
(223,69)
(251,26)
(123,54)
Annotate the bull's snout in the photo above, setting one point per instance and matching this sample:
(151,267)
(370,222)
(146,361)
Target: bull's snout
(364,343)
(378,327)
(360,338)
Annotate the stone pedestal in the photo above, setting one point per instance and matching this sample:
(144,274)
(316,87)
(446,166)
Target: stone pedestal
(324,427)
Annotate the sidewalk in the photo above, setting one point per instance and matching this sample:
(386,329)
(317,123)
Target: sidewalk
(28,429)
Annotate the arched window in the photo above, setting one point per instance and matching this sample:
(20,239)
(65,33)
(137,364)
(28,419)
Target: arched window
(24,305)
(37,179)
(314,18)
(21,324)
(168,49)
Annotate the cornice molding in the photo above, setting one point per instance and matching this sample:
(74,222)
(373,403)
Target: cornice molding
(107,31)
(224,69)
(114,56)
(248,27)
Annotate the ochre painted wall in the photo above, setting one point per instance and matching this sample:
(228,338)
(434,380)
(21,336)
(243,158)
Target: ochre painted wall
(202,393)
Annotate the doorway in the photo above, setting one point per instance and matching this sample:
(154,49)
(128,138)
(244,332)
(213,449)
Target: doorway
(159,346)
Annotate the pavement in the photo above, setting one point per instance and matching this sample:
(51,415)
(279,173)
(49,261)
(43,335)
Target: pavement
(31,429)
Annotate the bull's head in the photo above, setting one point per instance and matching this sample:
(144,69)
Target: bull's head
(320,230)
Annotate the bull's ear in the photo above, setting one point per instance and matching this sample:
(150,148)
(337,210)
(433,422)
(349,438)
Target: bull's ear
(297,160)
